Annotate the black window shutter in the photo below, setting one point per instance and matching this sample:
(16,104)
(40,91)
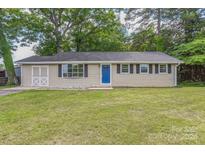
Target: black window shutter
(150,68)
(59,70)
(86,70)
(118,68)
(169,68)
(137,68)
(131,68)
(156,69)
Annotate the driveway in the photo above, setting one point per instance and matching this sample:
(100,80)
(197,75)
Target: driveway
(13,90)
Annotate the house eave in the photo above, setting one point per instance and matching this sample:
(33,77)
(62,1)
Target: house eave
(100,62)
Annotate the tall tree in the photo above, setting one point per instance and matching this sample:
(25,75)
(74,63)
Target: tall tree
(155,22)
(191,22)
(182,25)
(7,58)
(144,18)
(53,29)
(100,30)
(75,29)
(158,21)
(14,31)
(146,40)
(10,30)
(192,52)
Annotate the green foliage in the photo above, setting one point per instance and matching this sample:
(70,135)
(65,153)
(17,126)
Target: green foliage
(10,31)
(77,30)
(147,17)
(147,40)
(15,28)
(192,52)
(155,28)
(191,22)
(101,33)
(178,32)
(55,30)
(51,29)
(7,58)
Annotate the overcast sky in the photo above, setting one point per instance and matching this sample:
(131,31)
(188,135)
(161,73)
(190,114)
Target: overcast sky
(24,52)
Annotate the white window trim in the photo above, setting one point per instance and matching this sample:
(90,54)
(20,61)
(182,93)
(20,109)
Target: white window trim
(124,72)
(77,77)
(163,72)
(147,69)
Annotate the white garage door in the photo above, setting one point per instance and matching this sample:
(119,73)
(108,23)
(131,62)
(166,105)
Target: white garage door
(40,76)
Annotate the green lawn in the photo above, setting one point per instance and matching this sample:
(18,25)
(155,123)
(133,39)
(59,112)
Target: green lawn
(7,86)
(119,116)
(192,84)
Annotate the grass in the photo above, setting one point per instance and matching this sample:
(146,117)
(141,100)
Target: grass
(192,84)
(6,86)
(119,116)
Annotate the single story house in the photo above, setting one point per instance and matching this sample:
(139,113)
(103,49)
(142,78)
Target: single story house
(100,69)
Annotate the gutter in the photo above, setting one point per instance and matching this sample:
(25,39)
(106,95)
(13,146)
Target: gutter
(99,62)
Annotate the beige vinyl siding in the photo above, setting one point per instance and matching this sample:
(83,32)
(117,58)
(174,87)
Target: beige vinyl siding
(93,78)
(26,74)
(142,80)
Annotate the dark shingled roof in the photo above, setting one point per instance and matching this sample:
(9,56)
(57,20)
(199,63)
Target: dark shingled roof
(104,56)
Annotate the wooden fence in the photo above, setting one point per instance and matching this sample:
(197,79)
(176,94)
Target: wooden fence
(191,73)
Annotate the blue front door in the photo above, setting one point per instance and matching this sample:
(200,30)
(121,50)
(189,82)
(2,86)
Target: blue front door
(106,74)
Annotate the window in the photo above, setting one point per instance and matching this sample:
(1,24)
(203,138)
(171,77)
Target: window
(163,68)
(72,70)
(36,71)
(144,68)
(124,68)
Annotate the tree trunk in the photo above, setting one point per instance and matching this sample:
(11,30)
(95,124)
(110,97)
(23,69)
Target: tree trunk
(58,46)
(58,41)
(77,46)
(7,58)
(78,43)
(158,21)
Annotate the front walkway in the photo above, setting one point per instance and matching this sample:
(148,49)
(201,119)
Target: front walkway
(13,90)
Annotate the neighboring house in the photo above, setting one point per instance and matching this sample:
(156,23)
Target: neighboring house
(2,73)
(97,69)
(4,77)
(17,70)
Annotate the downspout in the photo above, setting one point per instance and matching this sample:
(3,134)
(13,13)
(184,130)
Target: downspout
(21,80)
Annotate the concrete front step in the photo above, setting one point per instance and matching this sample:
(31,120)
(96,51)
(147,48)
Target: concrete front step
(101,88)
